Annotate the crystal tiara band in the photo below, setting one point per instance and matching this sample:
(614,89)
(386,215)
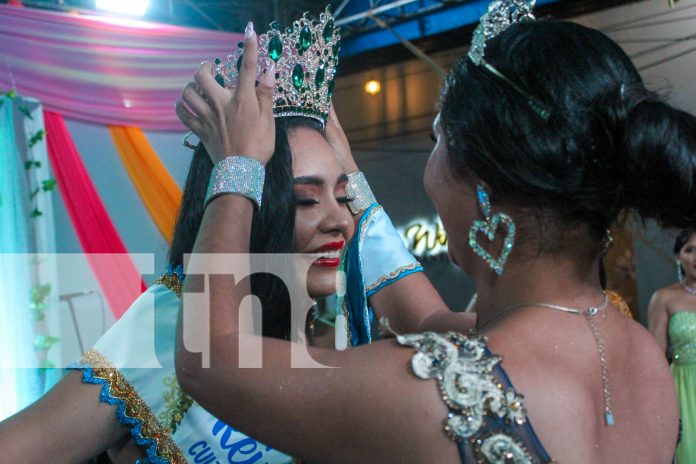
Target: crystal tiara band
(305,56)
(502,14)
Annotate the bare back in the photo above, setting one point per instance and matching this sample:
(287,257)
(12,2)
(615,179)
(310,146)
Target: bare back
(553,360)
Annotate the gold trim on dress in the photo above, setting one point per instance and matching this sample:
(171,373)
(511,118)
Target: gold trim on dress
(172,282)
(392,275)
(176,404)
(135,406)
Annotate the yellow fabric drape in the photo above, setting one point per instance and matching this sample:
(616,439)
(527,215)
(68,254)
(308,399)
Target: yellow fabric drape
(620,266)
(156,187)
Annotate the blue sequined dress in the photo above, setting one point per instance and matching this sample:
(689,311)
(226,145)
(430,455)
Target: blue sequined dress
(487,417)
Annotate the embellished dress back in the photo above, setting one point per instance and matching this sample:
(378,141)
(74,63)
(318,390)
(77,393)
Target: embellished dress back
(487,416)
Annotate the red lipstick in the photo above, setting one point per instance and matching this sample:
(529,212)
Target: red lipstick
(332,250)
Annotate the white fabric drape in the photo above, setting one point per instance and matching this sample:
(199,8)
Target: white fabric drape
(21,269)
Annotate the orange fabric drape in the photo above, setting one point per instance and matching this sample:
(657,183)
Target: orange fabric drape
(156,187)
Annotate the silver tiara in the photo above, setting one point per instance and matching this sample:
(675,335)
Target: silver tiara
(502,14)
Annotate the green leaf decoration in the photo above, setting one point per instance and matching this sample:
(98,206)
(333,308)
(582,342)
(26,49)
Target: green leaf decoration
(25,111)
(47,365)
(48,185)
(39,313)
(44,342)
(39,293)
(36,138)
(36,213)
(11,94)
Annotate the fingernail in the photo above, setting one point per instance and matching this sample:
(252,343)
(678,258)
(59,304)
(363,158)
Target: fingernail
(249,30)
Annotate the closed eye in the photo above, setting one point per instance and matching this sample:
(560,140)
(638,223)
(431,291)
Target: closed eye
(344,199)
(306,201)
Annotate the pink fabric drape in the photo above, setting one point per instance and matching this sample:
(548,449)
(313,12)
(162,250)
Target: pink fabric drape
(103,70)
(118,277)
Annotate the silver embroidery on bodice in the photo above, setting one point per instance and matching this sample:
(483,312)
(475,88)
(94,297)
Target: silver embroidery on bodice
(464,372)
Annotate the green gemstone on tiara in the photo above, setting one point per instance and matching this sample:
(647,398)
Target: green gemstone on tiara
(331,87)
(275,48)
(321,70)
(239,62)
(305,38)
(328,30)
(218,61)
(298,76)
(220,80)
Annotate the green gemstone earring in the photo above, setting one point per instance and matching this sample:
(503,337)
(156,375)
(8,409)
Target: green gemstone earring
(489,227)
(680,272)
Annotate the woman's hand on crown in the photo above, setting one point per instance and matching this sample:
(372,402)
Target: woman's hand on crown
(232,122)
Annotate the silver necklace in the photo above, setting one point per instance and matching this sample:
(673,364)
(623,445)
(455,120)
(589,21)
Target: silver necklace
(688,289)
(588,313)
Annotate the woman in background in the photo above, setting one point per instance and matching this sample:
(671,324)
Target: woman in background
(672,320)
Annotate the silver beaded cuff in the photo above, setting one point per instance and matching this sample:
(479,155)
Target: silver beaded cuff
(358,189)
(238,175)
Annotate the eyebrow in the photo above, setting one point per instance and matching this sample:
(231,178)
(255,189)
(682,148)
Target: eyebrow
(318,181)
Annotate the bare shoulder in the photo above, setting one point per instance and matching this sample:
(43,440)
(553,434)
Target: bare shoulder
(662,296)
(554,362)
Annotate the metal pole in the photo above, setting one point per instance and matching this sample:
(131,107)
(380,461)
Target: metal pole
(411,47)
(340,8)
(77,328)
(374,11)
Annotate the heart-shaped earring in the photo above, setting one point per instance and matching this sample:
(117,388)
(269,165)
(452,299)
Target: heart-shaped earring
(488,227)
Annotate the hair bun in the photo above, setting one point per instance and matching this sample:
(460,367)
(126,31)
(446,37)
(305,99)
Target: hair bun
(660,164)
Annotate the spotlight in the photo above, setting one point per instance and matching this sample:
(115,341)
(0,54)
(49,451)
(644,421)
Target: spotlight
(373,87)
(124,7)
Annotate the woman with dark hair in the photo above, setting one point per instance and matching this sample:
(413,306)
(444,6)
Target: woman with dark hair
(123,395)
(546,132)
(672,320)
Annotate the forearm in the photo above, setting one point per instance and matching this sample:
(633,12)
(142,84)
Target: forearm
(218,235)
(68,425)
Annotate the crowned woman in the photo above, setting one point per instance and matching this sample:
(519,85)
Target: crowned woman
(123,394)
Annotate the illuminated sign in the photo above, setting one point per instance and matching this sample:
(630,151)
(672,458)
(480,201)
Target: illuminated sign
(424,238)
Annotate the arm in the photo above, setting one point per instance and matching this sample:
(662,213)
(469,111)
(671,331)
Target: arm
(67,425)
(658,319)
(410,303)
(306,412)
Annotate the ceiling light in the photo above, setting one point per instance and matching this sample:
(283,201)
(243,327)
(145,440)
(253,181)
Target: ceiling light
(124,7)
(373,87)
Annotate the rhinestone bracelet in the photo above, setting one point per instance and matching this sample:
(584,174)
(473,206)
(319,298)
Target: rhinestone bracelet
(360,193)
(238,175)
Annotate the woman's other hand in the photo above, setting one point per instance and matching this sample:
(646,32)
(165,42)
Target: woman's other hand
(232,122)
(339,142)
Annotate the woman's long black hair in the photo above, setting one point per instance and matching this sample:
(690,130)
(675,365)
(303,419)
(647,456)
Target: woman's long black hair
(610,145)
(272,227)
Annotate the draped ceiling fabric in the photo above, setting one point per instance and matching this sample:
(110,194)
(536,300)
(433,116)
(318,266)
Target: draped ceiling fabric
(103,70)
(117,275)
(156,187)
